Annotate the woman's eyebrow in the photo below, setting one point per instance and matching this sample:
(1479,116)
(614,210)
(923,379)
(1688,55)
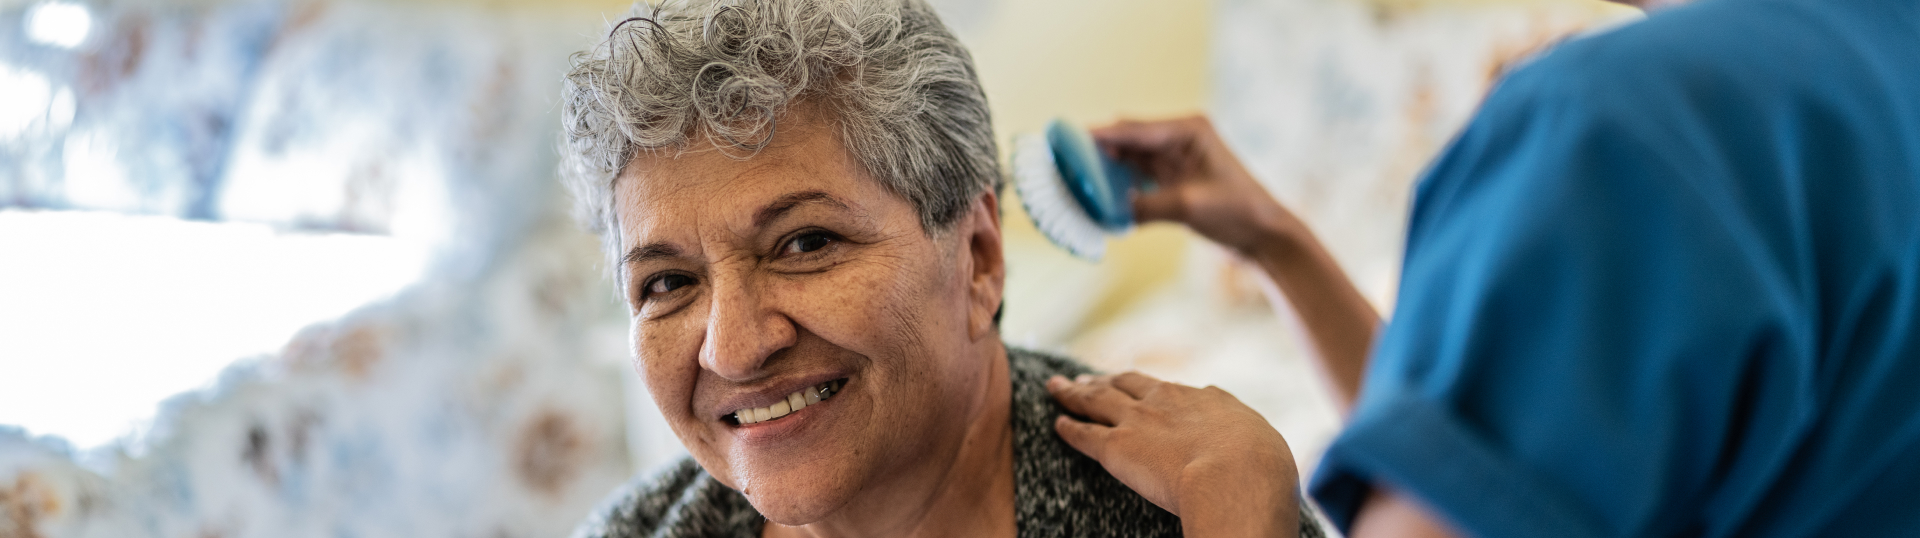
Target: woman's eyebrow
(776,208)
(649,252)
(787,202)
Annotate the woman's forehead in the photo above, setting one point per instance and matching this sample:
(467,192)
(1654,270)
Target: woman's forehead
(679,198)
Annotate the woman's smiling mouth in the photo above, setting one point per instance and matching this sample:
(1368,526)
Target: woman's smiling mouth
(794,402)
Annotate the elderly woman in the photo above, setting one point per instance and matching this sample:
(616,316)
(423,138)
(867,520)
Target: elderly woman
(799,199)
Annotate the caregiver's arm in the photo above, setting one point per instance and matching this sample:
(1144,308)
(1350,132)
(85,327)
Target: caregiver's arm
(1203,185)
(1390,514)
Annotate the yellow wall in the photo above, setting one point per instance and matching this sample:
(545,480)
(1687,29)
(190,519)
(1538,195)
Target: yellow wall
(1091,61)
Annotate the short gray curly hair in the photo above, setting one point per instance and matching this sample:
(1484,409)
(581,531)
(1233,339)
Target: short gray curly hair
(903,89)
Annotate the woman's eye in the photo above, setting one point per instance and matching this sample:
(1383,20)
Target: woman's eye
(667,283)
(808,242)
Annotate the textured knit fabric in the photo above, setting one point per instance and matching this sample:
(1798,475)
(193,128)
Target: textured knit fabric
(1667,283)
(1058,492)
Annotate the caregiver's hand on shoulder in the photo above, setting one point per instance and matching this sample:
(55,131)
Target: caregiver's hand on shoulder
(1200,183)
(1198,453)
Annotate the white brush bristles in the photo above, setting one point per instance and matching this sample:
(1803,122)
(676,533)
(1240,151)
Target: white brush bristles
(1048,202)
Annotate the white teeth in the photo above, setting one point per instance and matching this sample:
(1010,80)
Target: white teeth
(794,402)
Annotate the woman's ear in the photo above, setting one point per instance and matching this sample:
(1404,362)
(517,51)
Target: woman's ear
(987,264)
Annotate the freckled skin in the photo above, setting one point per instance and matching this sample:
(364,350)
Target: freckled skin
(920,442)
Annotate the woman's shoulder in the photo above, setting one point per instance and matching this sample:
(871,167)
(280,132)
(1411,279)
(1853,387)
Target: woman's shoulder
(1029,366)
(679,500)
(1057,490)
(1060,492)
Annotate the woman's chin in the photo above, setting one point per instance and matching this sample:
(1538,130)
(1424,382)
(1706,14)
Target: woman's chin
(796,506)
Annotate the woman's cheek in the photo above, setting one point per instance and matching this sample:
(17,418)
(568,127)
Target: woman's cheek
(666,357)
(845,306)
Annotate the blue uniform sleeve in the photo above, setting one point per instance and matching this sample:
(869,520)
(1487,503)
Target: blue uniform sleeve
(1584,307)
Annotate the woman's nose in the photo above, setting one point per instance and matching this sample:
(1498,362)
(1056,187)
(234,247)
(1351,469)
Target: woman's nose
(742,332)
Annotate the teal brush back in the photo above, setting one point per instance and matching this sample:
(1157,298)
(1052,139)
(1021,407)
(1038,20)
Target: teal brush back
(1099,183)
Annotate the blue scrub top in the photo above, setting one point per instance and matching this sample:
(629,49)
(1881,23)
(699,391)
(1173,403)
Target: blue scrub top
(1666,283)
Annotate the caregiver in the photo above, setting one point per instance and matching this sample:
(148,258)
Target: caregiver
(1666,283)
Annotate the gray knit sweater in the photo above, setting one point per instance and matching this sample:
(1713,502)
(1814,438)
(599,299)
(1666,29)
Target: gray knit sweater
(1058,491)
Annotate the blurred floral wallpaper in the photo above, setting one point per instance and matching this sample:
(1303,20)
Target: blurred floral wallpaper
(325,237)
(484,400)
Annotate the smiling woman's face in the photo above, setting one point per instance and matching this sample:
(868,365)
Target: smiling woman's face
(794,277)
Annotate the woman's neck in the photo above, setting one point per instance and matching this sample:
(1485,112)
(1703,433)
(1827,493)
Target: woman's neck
(970,495)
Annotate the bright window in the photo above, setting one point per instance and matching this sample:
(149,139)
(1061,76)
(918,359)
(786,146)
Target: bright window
(106,315)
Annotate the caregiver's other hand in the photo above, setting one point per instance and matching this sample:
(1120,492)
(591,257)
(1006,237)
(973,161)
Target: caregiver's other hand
(1203,185)
(1200,183)
(1198,453)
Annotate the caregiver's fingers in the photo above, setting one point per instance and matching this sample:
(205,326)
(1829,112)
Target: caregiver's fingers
(1161,204)
(1167,150)
(1088,438)
(1093,399)
(1144,136)
(1135,384)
